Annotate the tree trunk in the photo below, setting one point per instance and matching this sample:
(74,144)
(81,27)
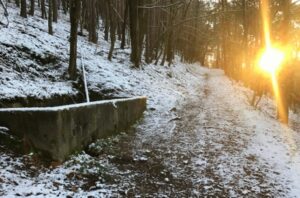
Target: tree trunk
(148,50)
(142,24)
(123,40)
(55,10)
(23,9)
(74,19)
(106,24)
(65,6)
(92,21)
(112,29)
(134,31)
(31,12)
(245,35)
(285,88)
(83,17)
(50,13)
(169,39)
(224,37)
(43,9)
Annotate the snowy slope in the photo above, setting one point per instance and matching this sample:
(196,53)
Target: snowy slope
(32,62)
(26,45)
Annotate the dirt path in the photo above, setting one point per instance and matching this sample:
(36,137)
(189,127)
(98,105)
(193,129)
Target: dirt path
(216,140)
(200,151)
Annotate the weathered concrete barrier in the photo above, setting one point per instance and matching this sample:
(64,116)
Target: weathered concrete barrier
(61,130)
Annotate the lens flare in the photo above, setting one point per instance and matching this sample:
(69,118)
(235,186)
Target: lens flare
(271,60)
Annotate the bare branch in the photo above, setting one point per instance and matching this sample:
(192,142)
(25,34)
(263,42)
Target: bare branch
(161,6)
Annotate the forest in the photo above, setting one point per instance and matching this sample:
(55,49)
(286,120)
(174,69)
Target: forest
(219,34)
(216,74)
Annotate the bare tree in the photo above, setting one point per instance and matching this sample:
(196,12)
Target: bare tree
(54,10)
(285,75)
(124,25)
(31,12)
(134,31)
(50,17)
(43,9)
(92,20)
(17,3)
(112,28)
(23,9)
(75,7)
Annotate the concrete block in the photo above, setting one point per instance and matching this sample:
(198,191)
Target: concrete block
(59,131)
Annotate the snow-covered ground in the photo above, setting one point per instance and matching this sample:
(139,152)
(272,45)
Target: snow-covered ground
(32,63)
(271,147)
(199,136)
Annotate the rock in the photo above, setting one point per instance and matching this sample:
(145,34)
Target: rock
(173,109)
(152,109)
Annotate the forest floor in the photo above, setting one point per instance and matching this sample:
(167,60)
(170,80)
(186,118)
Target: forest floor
(199,136)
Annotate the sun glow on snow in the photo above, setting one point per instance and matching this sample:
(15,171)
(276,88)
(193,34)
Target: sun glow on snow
(271,58)
(270,61)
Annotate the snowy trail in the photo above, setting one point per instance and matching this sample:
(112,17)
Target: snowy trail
(221,146)
(274,146)
(199,137)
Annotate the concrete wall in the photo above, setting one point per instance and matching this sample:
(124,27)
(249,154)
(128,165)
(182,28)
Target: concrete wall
(59,131)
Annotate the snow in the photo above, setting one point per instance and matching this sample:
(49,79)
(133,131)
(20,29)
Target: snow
(67,107)
(25,82)
(273,143)
(199,136)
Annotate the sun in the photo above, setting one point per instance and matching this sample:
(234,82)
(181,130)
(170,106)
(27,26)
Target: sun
(271,60)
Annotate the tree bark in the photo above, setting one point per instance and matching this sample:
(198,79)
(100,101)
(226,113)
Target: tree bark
(224,37)
(245,34)
(285,77)
(169,39)
(134,31)
(23,9)
(50,13)
(54,10)
(92,21)
(112,29)
(123,40)
(43,9)
(31,12)
(65,6)
(75,6)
